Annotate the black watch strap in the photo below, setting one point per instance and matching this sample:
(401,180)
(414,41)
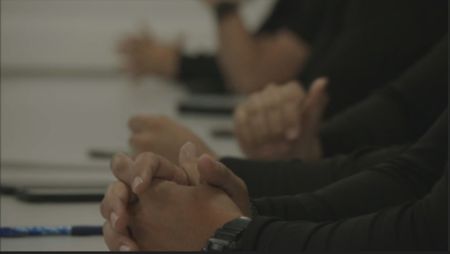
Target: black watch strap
(227,237)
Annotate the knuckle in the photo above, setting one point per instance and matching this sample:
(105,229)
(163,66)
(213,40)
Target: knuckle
(272,103)
(255,107)
(147,155)
(296,93)
(120,190)
(272,87)
(152,162)
(109,190)
(153,157)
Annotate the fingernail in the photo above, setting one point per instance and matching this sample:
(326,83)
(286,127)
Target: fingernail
(292,134)
(136,182)
(114,219)
(206,160)
(124,248)
(189,150)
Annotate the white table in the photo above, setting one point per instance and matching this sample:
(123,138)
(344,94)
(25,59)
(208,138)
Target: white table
(18,213)
(56,120)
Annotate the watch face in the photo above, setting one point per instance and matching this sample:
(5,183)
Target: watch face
(215,244)
(226,237)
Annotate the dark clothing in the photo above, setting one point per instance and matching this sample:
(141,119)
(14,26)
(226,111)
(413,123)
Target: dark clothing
(399,114)
(373,43)
(359,45)
(201,74)
(400,204)
(277,178)
(302,17)
(373,199)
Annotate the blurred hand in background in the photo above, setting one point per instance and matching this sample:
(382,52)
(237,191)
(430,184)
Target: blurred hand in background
(164,136)
(282,122)
(144,54)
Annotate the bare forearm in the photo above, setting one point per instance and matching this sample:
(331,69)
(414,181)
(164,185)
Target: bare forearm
(238,53)
(250,62)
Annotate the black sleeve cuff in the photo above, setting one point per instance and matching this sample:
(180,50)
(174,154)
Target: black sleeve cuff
(273,234)
(249,238)
(201,74)
(277,178)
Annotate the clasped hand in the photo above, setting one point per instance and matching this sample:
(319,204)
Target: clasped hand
(158,205)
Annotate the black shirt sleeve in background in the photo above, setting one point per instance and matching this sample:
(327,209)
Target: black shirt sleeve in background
(302,17)
(397,114)
(416,225)
(375,42)
(359,45)
(201,74)
(395,212)
(277,178)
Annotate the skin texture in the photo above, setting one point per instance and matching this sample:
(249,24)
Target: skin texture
(176,217)
(282,122)
(184,214)
(247,62)
(143,54)
(151,133)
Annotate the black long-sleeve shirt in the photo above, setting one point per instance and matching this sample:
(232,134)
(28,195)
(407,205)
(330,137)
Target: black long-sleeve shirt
(359,45)
(399,114)
(277,178)
(374,43)
(397,205)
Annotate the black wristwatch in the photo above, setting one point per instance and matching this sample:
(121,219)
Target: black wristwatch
(226,238)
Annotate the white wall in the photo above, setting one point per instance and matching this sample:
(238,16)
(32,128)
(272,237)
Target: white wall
(81,34)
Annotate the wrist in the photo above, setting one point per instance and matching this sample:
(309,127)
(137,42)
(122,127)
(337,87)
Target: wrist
(171,67)
(227,237)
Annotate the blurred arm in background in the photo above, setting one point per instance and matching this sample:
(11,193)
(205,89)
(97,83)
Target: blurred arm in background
(246,61)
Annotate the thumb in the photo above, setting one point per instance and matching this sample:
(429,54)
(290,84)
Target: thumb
(315,105)
(216,174)
(188,162)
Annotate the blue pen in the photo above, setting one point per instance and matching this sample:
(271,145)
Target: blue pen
(48,231)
